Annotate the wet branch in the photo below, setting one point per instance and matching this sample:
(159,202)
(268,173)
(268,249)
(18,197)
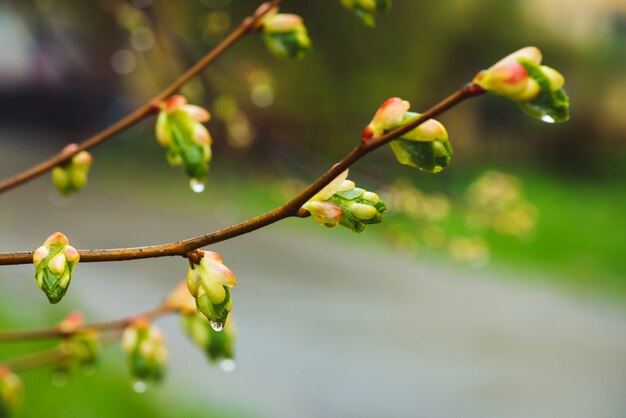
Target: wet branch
(248,25)
(289,209)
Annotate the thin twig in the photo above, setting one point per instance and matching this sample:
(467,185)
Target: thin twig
(291,208)
(248,25)
(57,332)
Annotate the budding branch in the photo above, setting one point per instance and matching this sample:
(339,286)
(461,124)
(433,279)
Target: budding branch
(289,209)
(248,25)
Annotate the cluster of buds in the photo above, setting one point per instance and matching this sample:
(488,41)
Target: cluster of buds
(520,77)
(179,128)
(72,176)
(366,9)
(54,262)
(209,281)
(145,347)
(81,347)
(10,392)
(342,203)
(426,147)
(218,345)
(285,35)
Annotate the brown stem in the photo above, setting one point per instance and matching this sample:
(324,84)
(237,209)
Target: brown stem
(248,25)
(291,208)
(47,357)
(56,332)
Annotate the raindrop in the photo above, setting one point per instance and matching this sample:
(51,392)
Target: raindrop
(123,62)
(140,386)
(216,325)
(228,365)
(59,378)
(196,185)
(547,119)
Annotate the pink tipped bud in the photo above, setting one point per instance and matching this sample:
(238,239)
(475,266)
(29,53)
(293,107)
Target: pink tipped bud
(174,103)
(198,113)
(388,116)
(282,22)
(82,158)
(72,322)
(72,254)
(181,300)
(39,254)
(56,238)
(509,78)
(57,263)
(325,213)
(331,188)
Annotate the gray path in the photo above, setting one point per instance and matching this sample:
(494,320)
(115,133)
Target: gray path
(329,327)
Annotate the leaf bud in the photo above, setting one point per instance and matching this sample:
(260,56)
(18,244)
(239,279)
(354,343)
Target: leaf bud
(209,282)
(70,177)
(179,128)
(146,350)
(218,345)
(54,262)
(366,9)
(538,89)
(285,35)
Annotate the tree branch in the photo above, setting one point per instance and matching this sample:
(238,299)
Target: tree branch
(291,208)
(57,332)
(247,25)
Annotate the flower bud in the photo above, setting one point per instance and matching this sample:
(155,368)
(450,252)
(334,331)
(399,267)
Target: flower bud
(70,177)
(324,213)
(366,9)
(285,35)
(218,345)
(10,392)
(179,129)
(81,347)
(54,262)
(209,282)
(388,116)
(536,88)
(425,147)
(340,202)
(145,347)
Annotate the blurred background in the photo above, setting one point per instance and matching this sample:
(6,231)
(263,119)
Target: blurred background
(495,288)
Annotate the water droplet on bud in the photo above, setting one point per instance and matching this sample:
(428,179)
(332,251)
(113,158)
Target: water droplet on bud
(140,386)
(216,325)
(196,185)
(228,365)
(547,119)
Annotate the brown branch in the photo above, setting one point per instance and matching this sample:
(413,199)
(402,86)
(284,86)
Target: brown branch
(57,332)
(47,357)
(291,208)
(248,25)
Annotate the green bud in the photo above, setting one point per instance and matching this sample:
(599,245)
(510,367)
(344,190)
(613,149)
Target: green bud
(366,9)
(551,104)
(218,345)
(145,347)
(81,347)
(286,36)
(54,262)
(341,202)
(11,389)
(72,176)
(179,129)
(209,283)
(425,147)
(520,77)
